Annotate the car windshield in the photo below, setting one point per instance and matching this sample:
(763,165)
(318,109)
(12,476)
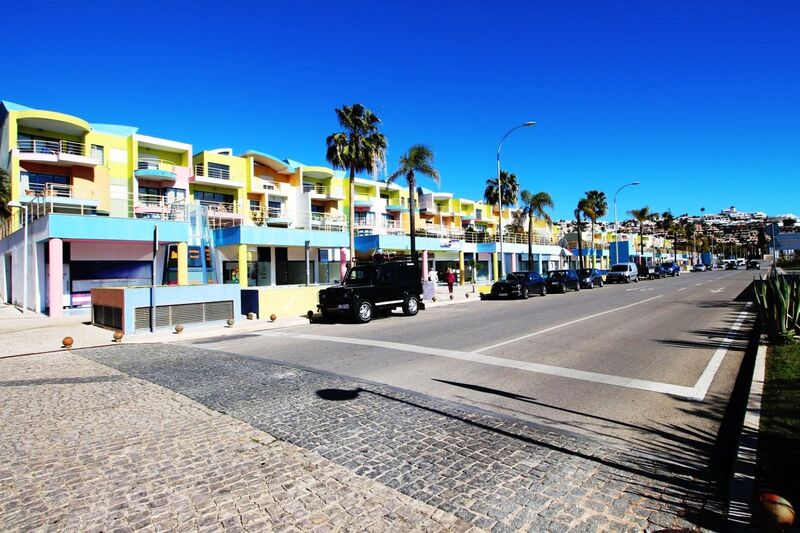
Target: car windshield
(360,275)
(584,272)
(511,276)
(557,274)
(619,268)
(667,265)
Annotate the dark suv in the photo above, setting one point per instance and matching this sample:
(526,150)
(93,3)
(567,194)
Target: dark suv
(369,288)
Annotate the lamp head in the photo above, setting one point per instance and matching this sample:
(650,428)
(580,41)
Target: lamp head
(636,183)
(529,123)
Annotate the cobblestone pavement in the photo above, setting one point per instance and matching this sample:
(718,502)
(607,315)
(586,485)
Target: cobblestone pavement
(495,473)
(87,448)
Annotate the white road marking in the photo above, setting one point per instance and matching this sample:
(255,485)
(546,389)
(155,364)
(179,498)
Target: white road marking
(702,385)
(565,324)
(652,386)
(717,291)
(682,289)
(698,284)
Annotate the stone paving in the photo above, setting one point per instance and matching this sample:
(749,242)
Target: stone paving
(493,473)
(87,448)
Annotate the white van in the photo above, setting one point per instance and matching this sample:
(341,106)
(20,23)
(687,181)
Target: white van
(623,273)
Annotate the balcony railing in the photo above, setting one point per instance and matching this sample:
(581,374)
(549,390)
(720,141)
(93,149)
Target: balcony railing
(201,171)
(155,164)
(51,147)
(316,188)
(158,207)
(508,237)
(220,208)
(325,222)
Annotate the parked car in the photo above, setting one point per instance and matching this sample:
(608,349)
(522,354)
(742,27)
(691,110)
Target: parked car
(672,269)
(590,278)
(561,280)
(753,265)
(374,287)
(623,272)
(519,285)
(699,267)
(731,265)
(658,271)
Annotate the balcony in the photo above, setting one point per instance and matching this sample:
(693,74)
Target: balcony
(325,222)
(214,177)
(59,198)
(155,169)
(272,216)
(323,192)
(373,227)
(159,207)
(62,153)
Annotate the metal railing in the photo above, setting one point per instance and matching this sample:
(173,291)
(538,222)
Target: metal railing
(51,147)
(316,188)
(201,171)
(324,222)
(155,164)
(158,207)
(220,208)
(508,237)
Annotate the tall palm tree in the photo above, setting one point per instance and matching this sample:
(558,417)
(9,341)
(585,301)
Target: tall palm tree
(583,206)
(5,194)
(669,225)
(641,215)
(418,160)
(533,206)
(510,191)
(359,148)
(597,208)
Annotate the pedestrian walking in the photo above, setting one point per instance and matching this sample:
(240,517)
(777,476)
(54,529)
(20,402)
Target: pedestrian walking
(451,279)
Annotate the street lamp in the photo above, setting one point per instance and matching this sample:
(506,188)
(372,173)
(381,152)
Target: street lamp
(500,186)
(18,205)
(616,224)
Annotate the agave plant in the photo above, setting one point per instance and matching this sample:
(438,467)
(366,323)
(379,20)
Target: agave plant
(778,299)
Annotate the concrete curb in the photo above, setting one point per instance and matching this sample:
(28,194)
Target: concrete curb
(742,484)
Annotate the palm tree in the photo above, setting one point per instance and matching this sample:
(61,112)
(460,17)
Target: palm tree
(583,206)
(597,208)
(641,215)
(510,191)
(533,205)
(5,194)
(418,160)
(359,148)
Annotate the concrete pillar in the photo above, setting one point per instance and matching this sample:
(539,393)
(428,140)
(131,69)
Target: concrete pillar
(540,263)
(462,275)
(342,263)
(56,274)
(495,271)
(243,265)
(513,263)
(183,263)
(425,265)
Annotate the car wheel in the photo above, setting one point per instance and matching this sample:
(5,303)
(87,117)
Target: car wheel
(544,291)
(411,306)
(601,283)
(364,311)
(636,279)
(627,280)
(591,284)
(327,316)
(577,287)
(525,293)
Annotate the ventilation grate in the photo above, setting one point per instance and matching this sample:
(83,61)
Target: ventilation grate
(104,315)
(196,313)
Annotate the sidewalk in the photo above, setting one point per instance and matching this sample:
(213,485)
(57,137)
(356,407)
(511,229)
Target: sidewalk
(34,333)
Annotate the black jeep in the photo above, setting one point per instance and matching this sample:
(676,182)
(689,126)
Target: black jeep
(374,287)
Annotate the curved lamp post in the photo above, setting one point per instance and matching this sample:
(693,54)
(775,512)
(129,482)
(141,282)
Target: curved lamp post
(500,187)
(616,224)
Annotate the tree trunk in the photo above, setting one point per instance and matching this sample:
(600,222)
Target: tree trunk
(352,210)
(641,244)
(594,254)
(530,242)
(580,244)
(412,213)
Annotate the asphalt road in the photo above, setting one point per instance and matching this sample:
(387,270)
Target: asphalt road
(648,365)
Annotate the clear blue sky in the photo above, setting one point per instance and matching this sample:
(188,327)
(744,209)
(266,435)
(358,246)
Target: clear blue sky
(697,100)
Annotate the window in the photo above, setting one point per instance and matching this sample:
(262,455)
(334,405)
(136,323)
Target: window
(275,208)
(365,218)
(37,183)
(213,197)
(98,153)
(255,205)
(215,170)
(174,195)
(317,208)
(478,213)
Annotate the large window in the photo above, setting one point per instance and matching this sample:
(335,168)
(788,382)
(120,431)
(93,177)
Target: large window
(98,153)
(215,170)
(204,196)
(36,182)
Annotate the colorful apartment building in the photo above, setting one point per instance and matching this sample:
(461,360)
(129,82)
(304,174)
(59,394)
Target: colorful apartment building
(92,202)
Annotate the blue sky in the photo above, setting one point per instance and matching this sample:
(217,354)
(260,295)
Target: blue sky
(697,100)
